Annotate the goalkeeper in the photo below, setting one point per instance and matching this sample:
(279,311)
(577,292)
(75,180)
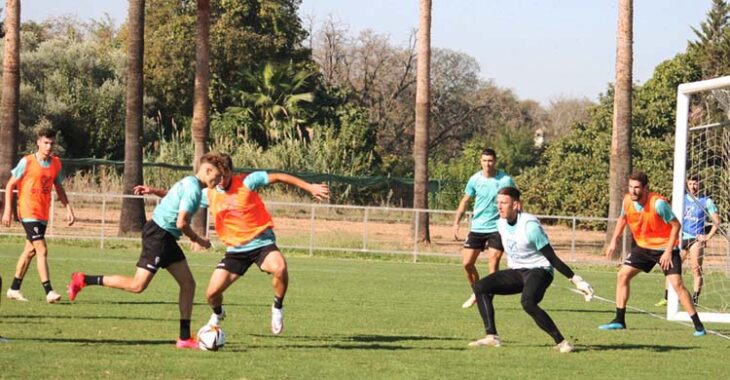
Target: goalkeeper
(531,260)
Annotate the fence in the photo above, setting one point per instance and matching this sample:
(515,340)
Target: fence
(316,227)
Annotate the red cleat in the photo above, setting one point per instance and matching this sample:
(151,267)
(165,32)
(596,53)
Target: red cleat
(187,343)
(74,287)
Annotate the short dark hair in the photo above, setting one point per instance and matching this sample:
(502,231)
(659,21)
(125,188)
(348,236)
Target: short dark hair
(47,133)
(511,192)
(489,152)
(227,160)
(694,177)
(641,177)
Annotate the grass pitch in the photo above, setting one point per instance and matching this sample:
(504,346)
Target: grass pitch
(344,318)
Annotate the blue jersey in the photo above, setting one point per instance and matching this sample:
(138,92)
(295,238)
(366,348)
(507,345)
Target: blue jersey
(185,196)
(484,190)
(695,213)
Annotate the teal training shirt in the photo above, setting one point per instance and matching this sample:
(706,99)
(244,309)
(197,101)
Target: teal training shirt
(484,191)
(185,195)
(662,208)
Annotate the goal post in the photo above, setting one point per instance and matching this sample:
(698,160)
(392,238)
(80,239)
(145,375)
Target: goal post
(702,147)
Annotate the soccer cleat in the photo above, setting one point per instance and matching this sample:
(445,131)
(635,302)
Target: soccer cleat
(53,297)
(489,340)
(215,319)
(277,320)
(15,295)
(661,303)
(77,283)
(4,340)
(695,299)
(702,332)
(469,302)
(564,347)
(187,343)
(612,326)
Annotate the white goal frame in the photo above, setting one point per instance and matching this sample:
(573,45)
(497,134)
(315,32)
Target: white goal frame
(684,93)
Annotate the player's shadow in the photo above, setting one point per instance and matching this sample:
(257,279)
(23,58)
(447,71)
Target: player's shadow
(631,346)
(118,342)
(84,317)
(359,342)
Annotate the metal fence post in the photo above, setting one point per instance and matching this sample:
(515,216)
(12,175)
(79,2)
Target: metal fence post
(311,232)
(103,218)
(415,237)
(365,229)
(572,243)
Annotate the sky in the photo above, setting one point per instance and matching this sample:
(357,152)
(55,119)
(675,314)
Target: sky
(541,49)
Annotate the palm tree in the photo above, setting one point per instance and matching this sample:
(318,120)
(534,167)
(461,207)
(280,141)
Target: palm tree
(423,105)
(275,98)
(621,135)
(133,216)
(201,101)
(11,91)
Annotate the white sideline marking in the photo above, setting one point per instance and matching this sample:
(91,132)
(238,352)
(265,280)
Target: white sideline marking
(713,332)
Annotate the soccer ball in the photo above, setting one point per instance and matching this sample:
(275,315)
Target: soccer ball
(211,338)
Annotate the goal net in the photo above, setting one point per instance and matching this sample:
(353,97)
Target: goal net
(702,155)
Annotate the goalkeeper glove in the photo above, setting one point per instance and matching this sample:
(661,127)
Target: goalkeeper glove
(585,288)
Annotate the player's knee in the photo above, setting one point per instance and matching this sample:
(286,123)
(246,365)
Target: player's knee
(137,288)
(530,306)
(189,285)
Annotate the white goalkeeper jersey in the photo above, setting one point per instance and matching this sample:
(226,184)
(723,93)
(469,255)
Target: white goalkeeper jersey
(522,242)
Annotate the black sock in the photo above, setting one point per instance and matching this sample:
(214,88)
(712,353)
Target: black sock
(278,302)
(621,316)
(184,329)
(16,283)
(666,293)
(696,320)
(94,280)
(47,287)
(218,309)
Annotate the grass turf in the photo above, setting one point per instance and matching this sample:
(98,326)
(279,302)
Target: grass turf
(344,318)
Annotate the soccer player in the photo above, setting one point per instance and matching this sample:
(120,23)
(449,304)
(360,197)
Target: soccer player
(483,186)
(170,220)
(694,240)
(656,232)
(35,176)
(531,260)
(246,227)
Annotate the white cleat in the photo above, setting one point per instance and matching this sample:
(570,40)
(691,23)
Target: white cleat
(15,295)
(53,297)
(4,340)
(564,347)
(469,302)
(277,320)
(488,341)
(216,319)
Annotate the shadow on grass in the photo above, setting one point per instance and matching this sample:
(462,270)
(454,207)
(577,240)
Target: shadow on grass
(353,342)
(629,346)
(119,342)
(83,317)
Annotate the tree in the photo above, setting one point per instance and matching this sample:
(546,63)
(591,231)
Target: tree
(133,217)
(201,102)
(620,161)
(423,120)
(713,41)
(9,116)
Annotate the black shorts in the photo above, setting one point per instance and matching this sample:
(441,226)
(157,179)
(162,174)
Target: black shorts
(482,240)
(238,263)
(687,243)
(645,259)
(159,248)
(34,231)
